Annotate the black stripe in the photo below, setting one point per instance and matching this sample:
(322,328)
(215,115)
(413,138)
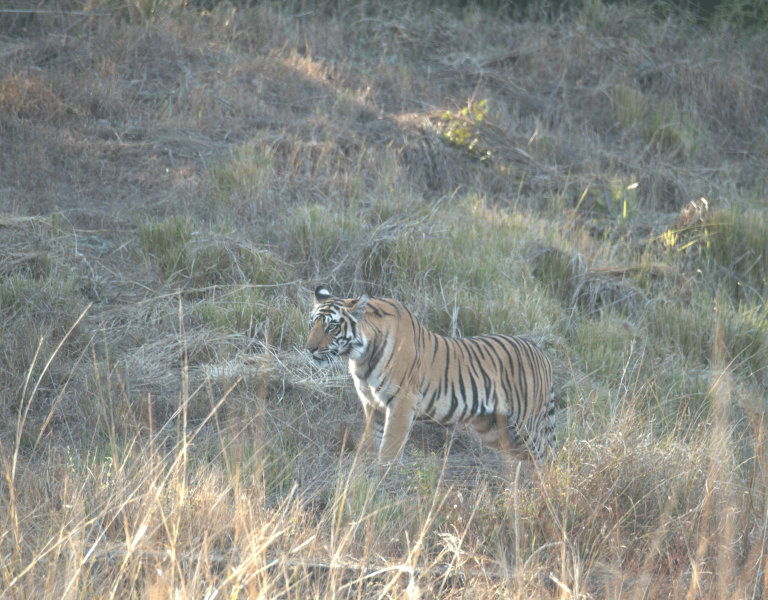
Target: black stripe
(522,382)
(435,395)
(462,390)
(447,361)
(507,376)
(498,368)
(475,397)
(471,363)
(454,406)
(377,352)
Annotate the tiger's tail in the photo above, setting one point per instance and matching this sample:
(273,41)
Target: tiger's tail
(550,423)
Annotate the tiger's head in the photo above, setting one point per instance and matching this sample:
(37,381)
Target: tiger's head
(334,327)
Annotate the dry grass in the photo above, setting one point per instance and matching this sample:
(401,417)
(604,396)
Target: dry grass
(174,182)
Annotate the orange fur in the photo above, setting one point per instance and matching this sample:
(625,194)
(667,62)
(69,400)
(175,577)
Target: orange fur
(501,385)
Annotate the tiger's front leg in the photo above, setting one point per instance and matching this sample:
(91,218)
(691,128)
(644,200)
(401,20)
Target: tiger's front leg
(400,413)
(375,417)
(374,428)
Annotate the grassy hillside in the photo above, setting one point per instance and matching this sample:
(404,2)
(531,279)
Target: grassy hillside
(174,182)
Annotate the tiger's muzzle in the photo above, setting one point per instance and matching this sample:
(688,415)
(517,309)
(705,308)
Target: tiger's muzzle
(320,357)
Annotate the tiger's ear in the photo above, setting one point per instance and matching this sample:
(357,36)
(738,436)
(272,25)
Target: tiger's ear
(357,310)
(321,294)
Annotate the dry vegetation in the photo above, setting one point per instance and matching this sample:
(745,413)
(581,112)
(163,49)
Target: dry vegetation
(174,182)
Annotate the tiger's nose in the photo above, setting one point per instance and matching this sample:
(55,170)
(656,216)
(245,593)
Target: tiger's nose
(311,349)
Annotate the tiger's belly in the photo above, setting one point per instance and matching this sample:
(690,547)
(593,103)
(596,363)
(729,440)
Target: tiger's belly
(452,408)
(447,407)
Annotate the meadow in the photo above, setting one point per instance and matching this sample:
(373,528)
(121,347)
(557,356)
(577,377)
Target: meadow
(177,177)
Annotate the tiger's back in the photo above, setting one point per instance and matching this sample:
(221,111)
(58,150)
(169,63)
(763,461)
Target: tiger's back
(501,385)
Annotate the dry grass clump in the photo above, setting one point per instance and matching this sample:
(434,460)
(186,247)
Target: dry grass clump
(672,132)
(257,313)
(718,83)
(57,93)
(729,244)
(40,305)
(592,289)
(629,104)
(738,243)
(692,332)
(185,255)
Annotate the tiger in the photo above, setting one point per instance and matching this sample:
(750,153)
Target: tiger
(501,385)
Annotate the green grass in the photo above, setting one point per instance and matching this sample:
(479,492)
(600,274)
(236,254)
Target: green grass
(672,131)
(256,312)
(629,105)
(246,181)
(474,245)
(554,269)
(319,233)
(361,497)
(184,253)
(738,243)
(605,347)
(164,242)
(36,316)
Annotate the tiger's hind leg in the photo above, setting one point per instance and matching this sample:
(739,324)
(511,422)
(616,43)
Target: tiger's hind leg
(532,443)
(538,436)
(535,436)
(495,433)
(487,429)
(514,440)
(502,435)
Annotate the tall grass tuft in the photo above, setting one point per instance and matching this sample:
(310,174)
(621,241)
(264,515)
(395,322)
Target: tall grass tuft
(184,253)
